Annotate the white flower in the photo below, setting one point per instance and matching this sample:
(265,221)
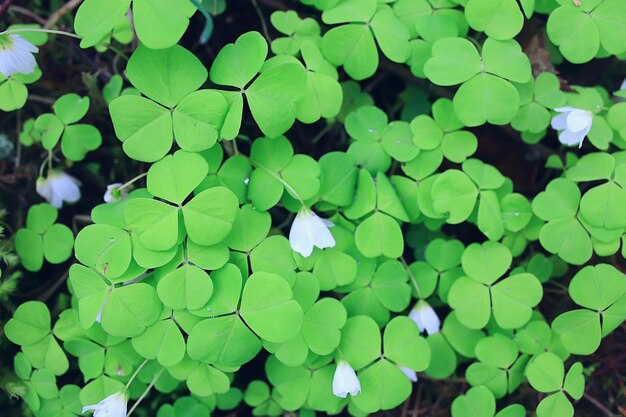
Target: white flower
(309,230)
(59,187)
(114,193)
(410,373)
(623,86)
(112,406)
(345,381)
(574,124)
(425,317)
(16,55)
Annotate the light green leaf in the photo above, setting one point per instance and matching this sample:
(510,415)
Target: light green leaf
(30,323)
(223,340)
(273,95)
(210,215)
(360,341)
(105,248)
(186,287)
(130,309)
(486,99)
(404,345)
(379,235)
(165,75)
(174,177)
(237,63)
(353,47)
(383,387)
(268,307)
(499,19)
(143,126)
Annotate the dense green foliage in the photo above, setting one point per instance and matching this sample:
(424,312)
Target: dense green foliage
(208,281)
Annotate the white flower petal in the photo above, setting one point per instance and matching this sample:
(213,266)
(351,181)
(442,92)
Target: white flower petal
(578,120)
(345,381)
(112,406)
(21,44)
(308,230)
(328,223)
(570,138)
(410,373)
(43,188)
(425,318)
(56,201)
(59,187)
(98,318)
(417,319)
(16,55)
(559,122)
(299,237)
(584,134)
(114,194)
(70,191)
(322,238)
(574,125)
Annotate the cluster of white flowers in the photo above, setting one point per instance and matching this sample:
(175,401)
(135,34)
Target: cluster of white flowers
(16,55)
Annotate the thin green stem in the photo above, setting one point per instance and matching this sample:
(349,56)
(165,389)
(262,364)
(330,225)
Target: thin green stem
(412,277)
(50,160)
(134,375)
(114,49)
(51,31)
(263,23)
(321,134)
(235,148)
(63,33)
(137,178)
(143,395)
(282,181)
(42,167)
(287,221)
(46,163)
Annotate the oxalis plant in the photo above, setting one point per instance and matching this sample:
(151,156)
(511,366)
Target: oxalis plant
(381,256)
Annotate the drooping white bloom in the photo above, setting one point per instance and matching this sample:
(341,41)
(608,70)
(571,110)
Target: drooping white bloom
(16,55)
(114,193)
(425,317)
(112,406)
(410,373)
(345,381)
(59,187)
(574,124)
(309,230)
